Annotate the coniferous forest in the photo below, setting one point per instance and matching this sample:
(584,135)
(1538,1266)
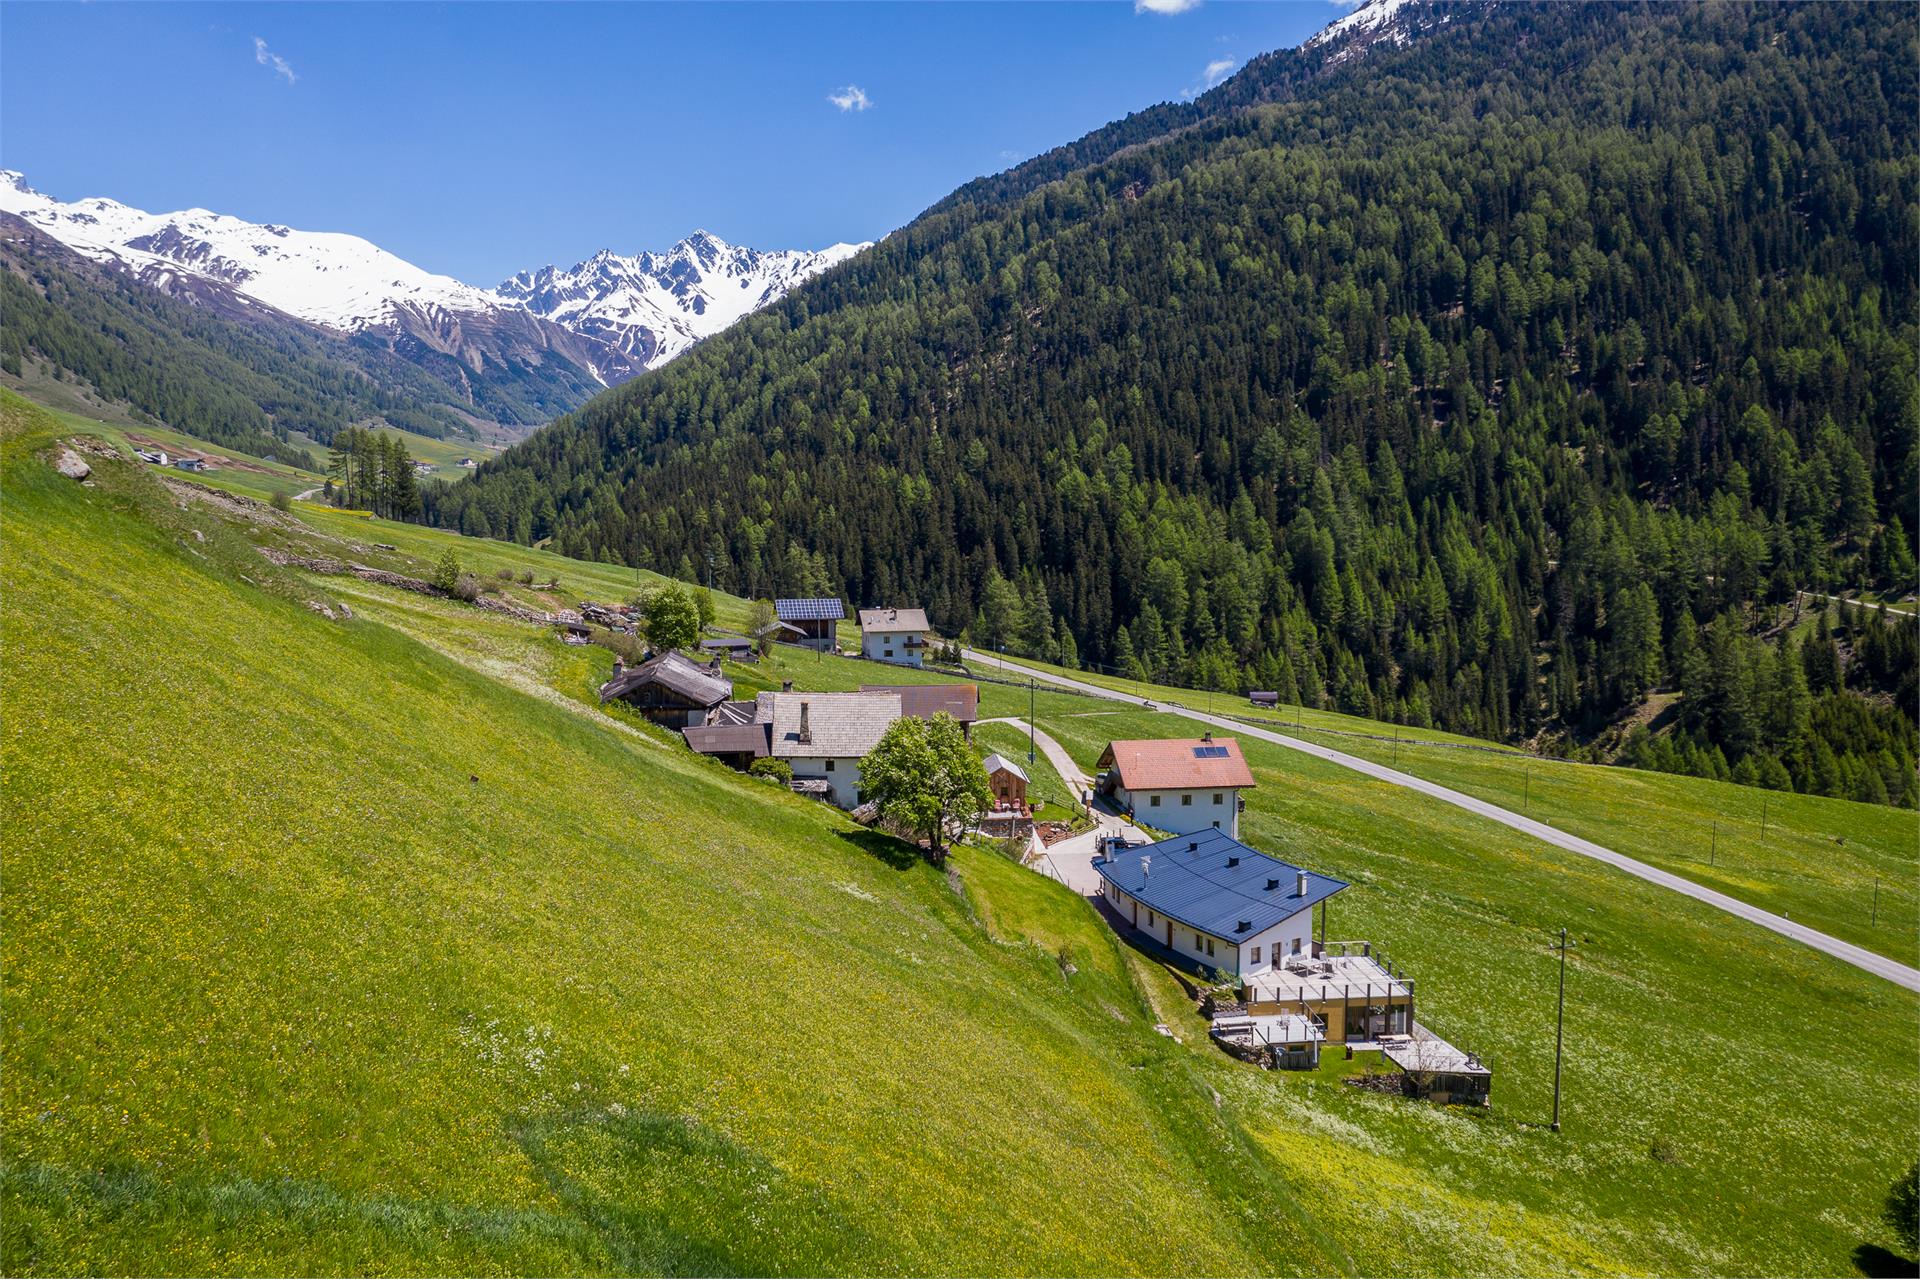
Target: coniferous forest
(1493,380)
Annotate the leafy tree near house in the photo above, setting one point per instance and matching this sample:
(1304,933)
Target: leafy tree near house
(923,775)
(673,619)
(703,605)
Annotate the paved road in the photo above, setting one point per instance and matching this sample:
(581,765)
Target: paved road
(1071,860)
(1861,958)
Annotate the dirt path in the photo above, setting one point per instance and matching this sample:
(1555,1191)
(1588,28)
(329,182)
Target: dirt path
(1846,952)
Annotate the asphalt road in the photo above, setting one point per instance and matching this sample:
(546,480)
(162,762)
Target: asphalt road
(1861,958)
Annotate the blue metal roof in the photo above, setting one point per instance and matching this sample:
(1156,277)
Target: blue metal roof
(1212,882)
(809,610)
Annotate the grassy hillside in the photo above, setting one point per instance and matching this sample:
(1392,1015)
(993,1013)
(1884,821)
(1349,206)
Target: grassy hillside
(325,952)
(374,945)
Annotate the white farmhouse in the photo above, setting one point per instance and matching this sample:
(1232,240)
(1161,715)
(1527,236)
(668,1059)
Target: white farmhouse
(1212,899)
(897,635)
(1178,784)
(823,736)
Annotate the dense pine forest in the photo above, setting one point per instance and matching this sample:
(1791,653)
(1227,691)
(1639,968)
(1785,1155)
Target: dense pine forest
(1491,380)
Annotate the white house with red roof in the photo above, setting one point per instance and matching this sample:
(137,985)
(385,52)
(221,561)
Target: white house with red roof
(1179,785)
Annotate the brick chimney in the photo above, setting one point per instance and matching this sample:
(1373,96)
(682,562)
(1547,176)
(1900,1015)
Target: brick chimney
(806,733)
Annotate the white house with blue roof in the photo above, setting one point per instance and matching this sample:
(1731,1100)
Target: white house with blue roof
(1209,897)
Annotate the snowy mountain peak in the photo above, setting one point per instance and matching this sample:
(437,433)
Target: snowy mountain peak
(649,307)
(1392,21)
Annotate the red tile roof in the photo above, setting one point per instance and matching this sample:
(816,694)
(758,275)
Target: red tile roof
(1177,764)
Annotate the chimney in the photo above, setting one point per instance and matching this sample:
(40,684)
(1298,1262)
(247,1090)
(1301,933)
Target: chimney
(786,686)
(1193,845)
(1207,736)
(1146,866)
(1300,885)
(618,666)
(806,735)
(1233,861)
(1272,884)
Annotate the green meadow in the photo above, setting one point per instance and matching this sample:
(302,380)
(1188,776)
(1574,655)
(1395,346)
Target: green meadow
(377,945)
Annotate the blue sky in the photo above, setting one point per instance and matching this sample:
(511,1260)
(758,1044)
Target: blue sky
(479,139)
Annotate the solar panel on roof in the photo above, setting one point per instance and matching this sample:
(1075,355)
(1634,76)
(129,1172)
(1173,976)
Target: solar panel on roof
(825,610)
(1209,752)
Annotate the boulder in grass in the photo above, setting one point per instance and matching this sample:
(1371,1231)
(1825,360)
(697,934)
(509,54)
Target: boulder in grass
(69,464)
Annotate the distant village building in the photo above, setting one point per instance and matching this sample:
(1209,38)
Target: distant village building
(897,635)
(1263,699)
(671,689)
(815,620)
(191,464)
(1178,784)
(924,701)
(576,633)
(468,462)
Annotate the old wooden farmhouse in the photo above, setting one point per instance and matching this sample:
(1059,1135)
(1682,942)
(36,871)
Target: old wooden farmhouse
(812,622)
(1177,784)
(897,635)
(669,689)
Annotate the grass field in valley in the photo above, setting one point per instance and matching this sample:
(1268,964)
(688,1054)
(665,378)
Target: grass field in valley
(288,991)
(1812,858)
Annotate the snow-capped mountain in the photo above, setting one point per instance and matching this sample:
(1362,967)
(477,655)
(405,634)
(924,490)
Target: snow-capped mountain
(653,306)
(610,316)
(1393,22)
(326,278)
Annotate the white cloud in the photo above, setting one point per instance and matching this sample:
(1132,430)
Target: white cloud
(267,58)
(1164,6)
(1216,71)
(851,98)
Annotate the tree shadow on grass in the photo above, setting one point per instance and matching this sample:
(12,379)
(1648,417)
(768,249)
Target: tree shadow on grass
(1876,1262)
(888,850)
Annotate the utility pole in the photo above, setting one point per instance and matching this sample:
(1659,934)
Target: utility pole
(1713,849)
(1763,819)
(1030,729)
(1559,1030)
(1396,746)
(1526,804)
(1875,920)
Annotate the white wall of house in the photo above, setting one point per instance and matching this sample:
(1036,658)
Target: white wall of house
(843,773)
(891,646)
(1182,812)
(1255,954)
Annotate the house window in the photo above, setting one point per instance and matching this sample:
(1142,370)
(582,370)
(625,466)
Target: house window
(1153,801)
(1209,946)
(1296,945)
(1216,800)
(829,766)
(1199,942)
(1256,954)
(1186,801)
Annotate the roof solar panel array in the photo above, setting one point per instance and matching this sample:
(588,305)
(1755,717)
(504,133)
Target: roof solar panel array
(1209,752)
(809,610)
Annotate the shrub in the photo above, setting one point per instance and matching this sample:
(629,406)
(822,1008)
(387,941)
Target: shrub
(526,577)
(466,587)
(773,770)
(446,574)
(280,501)
(505,575)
